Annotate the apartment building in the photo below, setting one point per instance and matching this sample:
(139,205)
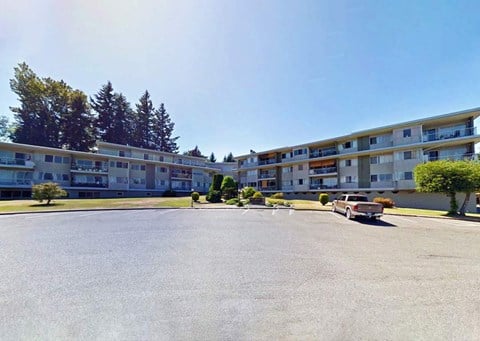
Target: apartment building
(111,170)
(376,162)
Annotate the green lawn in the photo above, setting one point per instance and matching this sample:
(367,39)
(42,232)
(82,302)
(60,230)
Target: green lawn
(79,204)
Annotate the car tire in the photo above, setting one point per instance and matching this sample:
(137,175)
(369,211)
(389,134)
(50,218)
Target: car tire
(348,214)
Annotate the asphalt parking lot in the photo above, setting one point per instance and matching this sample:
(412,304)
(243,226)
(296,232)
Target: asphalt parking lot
(237,274)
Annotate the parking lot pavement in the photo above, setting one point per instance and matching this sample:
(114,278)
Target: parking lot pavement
(237,274)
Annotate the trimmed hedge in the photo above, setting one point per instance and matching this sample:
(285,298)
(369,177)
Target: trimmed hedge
(323,198)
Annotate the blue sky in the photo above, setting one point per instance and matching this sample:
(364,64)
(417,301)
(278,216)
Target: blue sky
(241,75)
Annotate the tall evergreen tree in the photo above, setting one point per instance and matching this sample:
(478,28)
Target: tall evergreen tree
(194,152)
(162,131)
(120,121)
(4,128)
(228,158)
(212,158)
(143,121)
(76,125)
(42,104)
(104,104)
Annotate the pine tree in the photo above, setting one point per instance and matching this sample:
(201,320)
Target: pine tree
(120,121)
(104,104)
(194,152)
(212,158)
(4,128)
(162,131)
(76,126)
(143,117)
(228,158)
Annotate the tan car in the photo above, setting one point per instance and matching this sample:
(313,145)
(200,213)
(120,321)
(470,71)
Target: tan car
(355,205)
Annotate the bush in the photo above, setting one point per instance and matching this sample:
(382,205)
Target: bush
(214,196)
(195,196)
(47,191)
(229,187)
(233,201)
(240,204)
(257,195)
(169,193)
(386,202)
(277,196)
(217,182)
(324,199)
(248,192)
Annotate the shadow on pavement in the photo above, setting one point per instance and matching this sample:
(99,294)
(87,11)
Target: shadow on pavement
(372,222)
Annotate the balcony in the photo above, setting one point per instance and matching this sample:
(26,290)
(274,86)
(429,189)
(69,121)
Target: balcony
(15,182)
(322,171)
(89,184)
(267,188)
(16,163)
(183,176)
(453,157)
(82,169)
(322,153)
(267,162)
(434,135)
(320,186)
(267,175)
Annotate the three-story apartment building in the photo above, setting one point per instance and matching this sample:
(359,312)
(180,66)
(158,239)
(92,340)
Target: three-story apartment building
(378,162)
(112,170)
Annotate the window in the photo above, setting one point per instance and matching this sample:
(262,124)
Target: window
(119,164)
(348,179)
(286,155)
(347,145)
(48,176)
(287,169)
(48,158)
(407,155)
(407,132)
(300,151)
(145,156)
(163,170)
(373,178)
(57,159)
(408,176)
(300,181)
(121,153)
(160,158)
(380,177)
(373,140)
(348,163)
(65,177)
(300,167)
(374,160)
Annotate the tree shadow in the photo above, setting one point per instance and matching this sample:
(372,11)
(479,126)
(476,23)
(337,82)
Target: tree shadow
(44,204)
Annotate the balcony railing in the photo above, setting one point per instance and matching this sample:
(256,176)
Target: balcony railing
(89,184)
(448,134)
(89,169)
(16,162)
(454,157)
(267,175)
(267,188)
(323,170)
(14,182)
(322,153)
(320,186)
(181,176)
(267,162)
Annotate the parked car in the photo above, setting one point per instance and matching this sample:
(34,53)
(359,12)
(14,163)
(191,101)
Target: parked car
(355,205)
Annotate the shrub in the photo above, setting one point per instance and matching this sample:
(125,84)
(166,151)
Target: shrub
(240,204)
(214,196)
(233,201)
(247,192)
(229,187)
(47,191)
(257,194)
(169,193)
(386,202)
(277,196)
(195,196)
(217,182)
(324,199)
